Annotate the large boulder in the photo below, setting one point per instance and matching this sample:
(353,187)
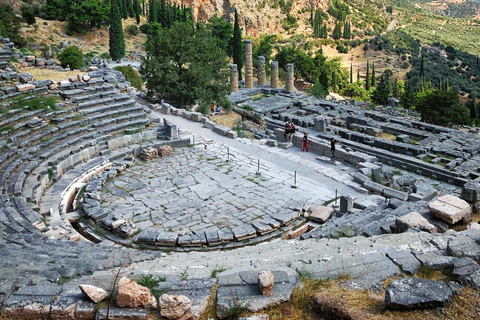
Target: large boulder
(321,214)
(450,208)
(174,307)
(413,220)
(93,293)
(265,283)
(133,295)
(413,293)
(471,192)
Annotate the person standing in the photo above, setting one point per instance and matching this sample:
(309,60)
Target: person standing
(305,141)
(291,132)
(285,133)
(333,142)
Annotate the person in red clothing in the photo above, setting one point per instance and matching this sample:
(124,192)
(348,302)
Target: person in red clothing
(305,141)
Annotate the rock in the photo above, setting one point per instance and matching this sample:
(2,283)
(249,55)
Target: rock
(174,307)
(24,87)
(265,283)
(321,214)
(450,208)
(30,58)
(471,192)
(93,293)
(133,295)
(413,293)
(53,86)
(414,220)
(405,181)
(25,77)
(148,154)
(164,151)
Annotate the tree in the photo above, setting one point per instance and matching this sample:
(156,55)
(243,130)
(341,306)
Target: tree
(351,73)
(442,107)
(137,10)
(183,65)
(10,25)
(472,106)
(131,12)
(408,99)
(116,42)
(382,91)
(237,47)
(124,6)
(27,15)
(337,31)
(374,79)
(152,11)
(358,75)
(222,31)
(72,56)
(318,90)
(367,78)
(54,10)
(422,71)
(84,15)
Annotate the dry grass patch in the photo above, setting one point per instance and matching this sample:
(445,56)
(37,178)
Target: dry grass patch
(211,309)
(388,136)
(227,119)
(44,74)
(334,302)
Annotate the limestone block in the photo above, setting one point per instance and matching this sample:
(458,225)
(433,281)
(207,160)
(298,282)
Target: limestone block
(53,86)
(92,68)
(196,116)
(73,79)
(265,283)
(93,293)
(413,220)
(232,134)
(174,307)
(24,87)
(321,214)
(39,62)
(471,192)
(450,208)
(117,223)
(392,193)
(133,295)
(413,293)
(30,58)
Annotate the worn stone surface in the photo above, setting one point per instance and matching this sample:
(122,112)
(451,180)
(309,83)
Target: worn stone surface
(413,220)
(413,293)
(465,245)
(133,295)
(93,293)
(173,307)
(450,208)
(239,288)
(471,192)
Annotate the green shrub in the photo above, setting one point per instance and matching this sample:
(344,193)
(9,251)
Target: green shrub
(132,29)
(71,56)
(131,75)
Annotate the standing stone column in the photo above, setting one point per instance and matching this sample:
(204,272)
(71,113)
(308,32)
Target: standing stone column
(261,71)
(289,78)
(234,77)
(274,75)
(248,64)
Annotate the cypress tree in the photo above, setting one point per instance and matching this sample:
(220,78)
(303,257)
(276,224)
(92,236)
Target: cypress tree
(367,78)
(374,79)
(358,75)
(137,9)
(237,46)
(351,73)
(131,12)
(152,11)
(124,13)
(116,42)
(422,72)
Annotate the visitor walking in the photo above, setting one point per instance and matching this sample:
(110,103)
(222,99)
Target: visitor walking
(333,142)
(212,109)
(285,133)
(305,141)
